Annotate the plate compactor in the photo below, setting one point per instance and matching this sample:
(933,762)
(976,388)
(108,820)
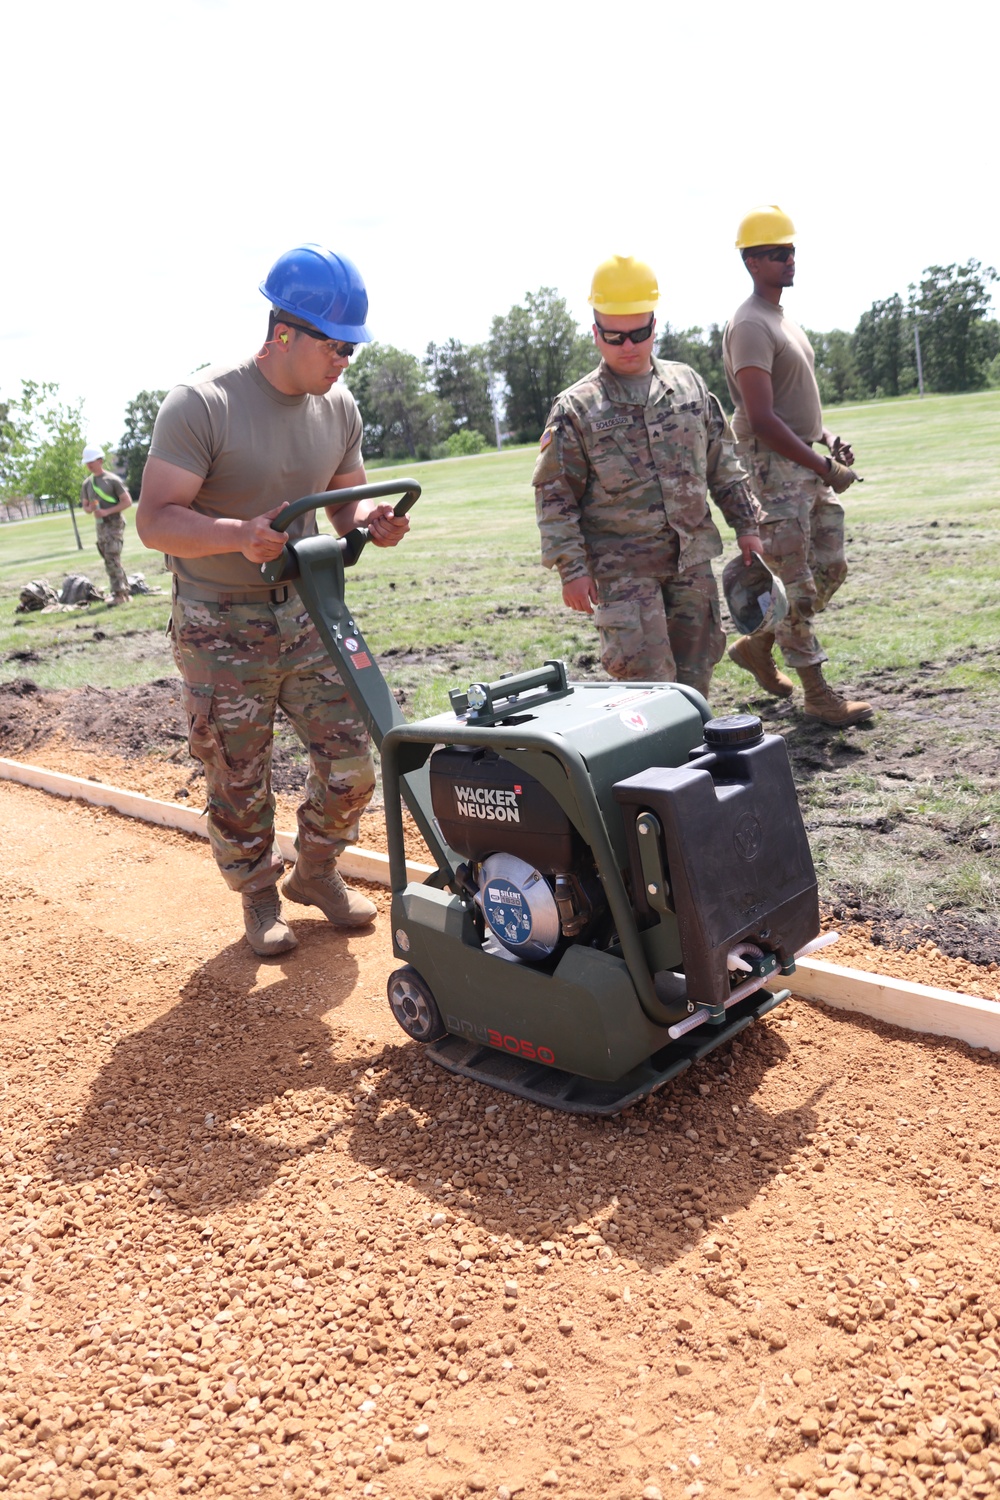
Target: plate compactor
(618,873)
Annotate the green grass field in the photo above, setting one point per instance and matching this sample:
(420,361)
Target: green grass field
(916,627)
(466,589)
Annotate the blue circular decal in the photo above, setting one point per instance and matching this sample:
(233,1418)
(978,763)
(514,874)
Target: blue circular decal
(507,911)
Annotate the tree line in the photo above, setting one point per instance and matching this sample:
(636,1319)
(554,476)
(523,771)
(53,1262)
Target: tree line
(426,408)
(454,399)
(947,310)
(42,439)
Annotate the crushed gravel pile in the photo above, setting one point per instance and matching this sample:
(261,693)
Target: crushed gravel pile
(253,1243)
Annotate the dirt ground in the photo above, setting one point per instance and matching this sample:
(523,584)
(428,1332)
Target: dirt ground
(254,1243)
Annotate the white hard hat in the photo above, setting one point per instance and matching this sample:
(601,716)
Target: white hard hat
(91,455)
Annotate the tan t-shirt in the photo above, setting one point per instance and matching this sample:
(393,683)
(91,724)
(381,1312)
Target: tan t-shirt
(759,334)
(253,447)
(110,484)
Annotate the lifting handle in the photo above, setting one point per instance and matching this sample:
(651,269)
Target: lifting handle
(485,702)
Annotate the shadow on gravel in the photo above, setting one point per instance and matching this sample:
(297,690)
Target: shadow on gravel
(648,1181)
(178,1098)
(239,1084)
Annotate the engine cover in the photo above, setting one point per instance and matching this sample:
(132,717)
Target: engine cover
(484,804)
(519,906)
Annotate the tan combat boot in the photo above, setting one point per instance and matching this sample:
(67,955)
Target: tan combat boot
(267,931)
(827,706)
(753,654)
(338,903)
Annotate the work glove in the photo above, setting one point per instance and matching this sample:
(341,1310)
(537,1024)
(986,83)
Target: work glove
(842,452)
(839,477)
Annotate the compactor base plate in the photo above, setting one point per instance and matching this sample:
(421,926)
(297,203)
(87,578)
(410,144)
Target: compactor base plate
(553,1089)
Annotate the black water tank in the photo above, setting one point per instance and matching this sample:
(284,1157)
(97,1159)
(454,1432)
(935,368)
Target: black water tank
(735,850)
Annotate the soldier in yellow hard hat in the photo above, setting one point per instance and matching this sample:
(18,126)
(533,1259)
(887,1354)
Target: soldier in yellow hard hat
(628,458)
(770,371)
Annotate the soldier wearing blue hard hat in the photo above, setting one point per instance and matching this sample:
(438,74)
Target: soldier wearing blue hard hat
(231,448)
(325,289)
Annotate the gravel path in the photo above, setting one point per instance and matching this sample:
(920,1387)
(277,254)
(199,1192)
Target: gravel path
(254,1245)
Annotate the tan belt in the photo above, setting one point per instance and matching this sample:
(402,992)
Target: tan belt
(202,593)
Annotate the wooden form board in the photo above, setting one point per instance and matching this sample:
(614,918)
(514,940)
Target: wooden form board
(357,864)
(918,1007)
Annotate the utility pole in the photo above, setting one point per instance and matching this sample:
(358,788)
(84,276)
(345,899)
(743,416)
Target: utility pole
(920,367)
(494,408)
(72,516)
(76,529)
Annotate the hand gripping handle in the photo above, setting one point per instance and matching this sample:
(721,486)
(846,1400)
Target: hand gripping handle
(408,488)
(351,545)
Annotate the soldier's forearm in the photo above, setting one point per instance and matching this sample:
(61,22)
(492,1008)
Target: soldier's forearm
(570,569)
(780,438)
(557,512)
(738,505)
(566,554)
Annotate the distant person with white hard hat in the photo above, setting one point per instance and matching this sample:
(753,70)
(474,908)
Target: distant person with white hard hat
(104,497)
(770,370)
(231,448)
(627,461)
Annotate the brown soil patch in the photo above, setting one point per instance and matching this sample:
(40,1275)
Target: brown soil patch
(855,950)
(136,738)
(254,1243)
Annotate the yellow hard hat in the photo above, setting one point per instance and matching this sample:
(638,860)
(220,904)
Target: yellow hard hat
(623,285)
(768,225)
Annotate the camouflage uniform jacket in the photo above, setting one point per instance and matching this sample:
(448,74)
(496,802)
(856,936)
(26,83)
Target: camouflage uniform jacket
(622,488)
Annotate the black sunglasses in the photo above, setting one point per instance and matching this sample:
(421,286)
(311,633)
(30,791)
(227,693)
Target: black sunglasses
(784,253)
(338,346)
(617,337)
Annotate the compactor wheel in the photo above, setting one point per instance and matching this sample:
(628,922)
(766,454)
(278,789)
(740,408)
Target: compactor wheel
(414,1006)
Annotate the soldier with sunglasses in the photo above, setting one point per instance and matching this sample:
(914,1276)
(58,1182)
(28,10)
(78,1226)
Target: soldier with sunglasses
(231,448)
(778,420)
(627,461)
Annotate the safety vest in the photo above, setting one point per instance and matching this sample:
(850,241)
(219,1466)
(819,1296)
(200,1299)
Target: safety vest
(102,493)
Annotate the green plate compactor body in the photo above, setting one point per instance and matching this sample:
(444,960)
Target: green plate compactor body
(618,873)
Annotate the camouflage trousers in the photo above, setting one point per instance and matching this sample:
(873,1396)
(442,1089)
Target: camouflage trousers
(661,629)
(803,538)
(110,541)
(240,662)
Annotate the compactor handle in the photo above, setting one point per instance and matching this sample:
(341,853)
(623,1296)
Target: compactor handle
(353,544)
(408,488)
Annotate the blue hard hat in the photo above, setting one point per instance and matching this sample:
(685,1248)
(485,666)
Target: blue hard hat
(324,289)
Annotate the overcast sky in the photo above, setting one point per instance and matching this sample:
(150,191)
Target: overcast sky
(158,157)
